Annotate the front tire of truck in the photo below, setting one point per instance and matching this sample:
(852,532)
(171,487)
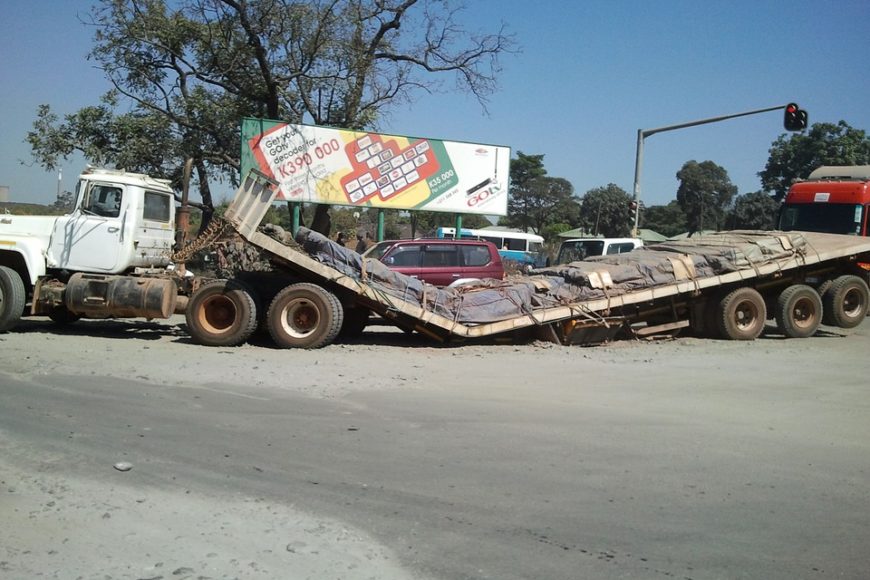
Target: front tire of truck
(846,302)
(304,316)
(12,298)
(741,314)
(798,311)
(221,313)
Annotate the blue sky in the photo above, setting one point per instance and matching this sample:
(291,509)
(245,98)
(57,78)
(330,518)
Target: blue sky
(587,77)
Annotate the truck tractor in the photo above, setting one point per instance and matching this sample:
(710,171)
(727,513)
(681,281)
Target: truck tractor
(107,258)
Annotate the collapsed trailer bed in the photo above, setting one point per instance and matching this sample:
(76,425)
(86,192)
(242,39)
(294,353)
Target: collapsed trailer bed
(681,277)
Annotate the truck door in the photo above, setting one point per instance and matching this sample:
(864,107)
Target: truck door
(91,238)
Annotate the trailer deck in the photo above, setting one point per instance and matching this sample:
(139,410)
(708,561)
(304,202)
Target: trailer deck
(743,258)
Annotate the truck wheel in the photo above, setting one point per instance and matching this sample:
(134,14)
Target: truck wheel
(356,318)
(12,298)
(741,314)
(221,313)
(304,316)
(798,311)
(846,302)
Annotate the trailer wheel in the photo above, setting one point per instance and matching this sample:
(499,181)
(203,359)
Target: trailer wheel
(221,313)
(741,314)
(12,298)
(798,311)
(304,316)
(846,302)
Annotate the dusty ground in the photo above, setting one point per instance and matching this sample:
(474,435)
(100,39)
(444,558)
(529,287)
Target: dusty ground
(93,521)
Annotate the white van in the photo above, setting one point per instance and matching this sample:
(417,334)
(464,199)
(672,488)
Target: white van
(578,249)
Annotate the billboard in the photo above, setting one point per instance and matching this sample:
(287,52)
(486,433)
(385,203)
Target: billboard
(360,168)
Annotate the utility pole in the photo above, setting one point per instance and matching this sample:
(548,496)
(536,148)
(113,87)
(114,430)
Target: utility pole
(644,133)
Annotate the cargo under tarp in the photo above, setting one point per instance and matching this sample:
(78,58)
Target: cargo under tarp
(567,284)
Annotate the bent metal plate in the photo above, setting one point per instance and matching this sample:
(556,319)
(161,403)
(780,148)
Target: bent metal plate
(358,168)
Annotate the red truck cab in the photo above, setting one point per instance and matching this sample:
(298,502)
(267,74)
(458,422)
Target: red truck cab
(833,200)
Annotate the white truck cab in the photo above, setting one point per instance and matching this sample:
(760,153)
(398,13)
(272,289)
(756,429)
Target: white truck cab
(578,249)
(101,260)
(120,221)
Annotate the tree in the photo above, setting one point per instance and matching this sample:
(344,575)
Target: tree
(536,200)
(753,211)
(794,156)
(184,75)
(668,220)
(704,194)
(605,210)
(424,223)
(524,169)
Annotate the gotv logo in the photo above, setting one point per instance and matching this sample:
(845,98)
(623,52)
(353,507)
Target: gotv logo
(482,195)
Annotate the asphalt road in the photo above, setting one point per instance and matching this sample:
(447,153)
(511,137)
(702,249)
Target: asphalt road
(689,459)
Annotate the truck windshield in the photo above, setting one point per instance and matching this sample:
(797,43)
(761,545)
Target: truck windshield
(831,218)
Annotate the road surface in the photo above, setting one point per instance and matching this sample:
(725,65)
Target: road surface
(394,458)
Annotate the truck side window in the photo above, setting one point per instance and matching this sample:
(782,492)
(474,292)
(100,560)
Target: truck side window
(104,200)
(156,207)
(620,248)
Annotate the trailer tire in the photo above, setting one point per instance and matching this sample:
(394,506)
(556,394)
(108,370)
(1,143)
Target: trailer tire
(741,314)
(798,311)
(221,313)
(13,296)
(304,315)
(846,302)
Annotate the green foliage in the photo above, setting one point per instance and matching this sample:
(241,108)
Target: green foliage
(537,200)
(14,208)
(668,220)
(753,211)
(184,73)
(704,195)
(605,211)
(64,202)
(794,156)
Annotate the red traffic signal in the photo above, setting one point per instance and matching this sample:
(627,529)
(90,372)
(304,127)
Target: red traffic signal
(795,118)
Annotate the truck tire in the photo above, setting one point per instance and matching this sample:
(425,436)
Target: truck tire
(221,313)
(12,298)
(741,314)
(304,315)
(798,311)
(846,301)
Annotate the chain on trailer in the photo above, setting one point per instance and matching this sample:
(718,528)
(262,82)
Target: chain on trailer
(209,236)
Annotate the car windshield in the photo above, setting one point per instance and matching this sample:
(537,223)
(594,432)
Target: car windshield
(377,251)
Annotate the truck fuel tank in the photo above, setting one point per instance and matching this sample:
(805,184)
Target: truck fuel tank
(100,296)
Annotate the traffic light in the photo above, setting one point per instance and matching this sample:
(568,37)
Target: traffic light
(795,118)
(632,208)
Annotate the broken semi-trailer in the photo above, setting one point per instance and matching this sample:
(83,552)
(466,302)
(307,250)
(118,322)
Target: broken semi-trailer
(112,257)
(725,285)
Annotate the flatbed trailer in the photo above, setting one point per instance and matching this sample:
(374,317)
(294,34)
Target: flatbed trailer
(800,279)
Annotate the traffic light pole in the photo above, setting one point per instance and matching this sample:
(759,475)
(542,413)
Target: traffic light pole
(644,133)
